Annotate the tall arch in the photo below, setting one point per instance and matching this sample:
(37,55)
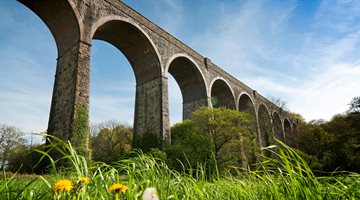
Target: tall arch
(221,94)
(246,105)
(265,126)
(191,82)
(70,100)
(287,127)
(150,123)
(133,43)
(278,130)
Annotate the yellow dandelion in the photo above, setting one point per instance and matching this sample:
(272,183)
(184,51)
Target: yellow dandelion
(118,188)
(63,185)
(84,180)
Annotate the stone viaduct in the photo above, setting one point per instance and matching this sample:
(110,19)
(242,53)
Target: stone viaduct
(153,54)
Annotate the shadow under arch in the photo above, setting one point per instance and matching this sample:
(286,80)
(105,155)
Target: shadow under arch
(133,43)
(265,126)
(278,130)
(191,82)
(221,94)
(142,55)
(287,128)
(246,105)
(61,18)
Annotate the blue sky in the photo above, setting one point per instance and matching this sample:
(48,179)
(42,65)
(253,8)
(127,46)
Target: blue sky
(305,52)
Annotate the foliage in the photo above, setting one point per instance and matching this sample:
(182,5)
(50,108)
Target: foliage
(343,150)
(147,140)
(298,117)
(354,105)
(229,133)
(333,145)
(112,140)
(190,146)
(10,138)
(23,159)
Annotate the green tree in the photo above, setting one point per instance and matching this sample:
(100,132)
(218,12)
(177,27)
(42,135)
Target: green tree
(298,117)
(189,145)
(344,147)
(354,105)
(228,131)
(10,138)
(24,159)
(112,140)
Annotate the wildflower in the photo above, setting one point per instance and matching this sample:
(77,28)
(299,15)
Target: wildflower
(84,180)
(118,188)
(63,185)
(150,194)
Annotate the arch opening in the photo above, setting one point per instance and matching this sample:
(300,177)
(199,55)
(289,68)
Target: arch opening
(191,83)
(265,127)
(278,130)
(134,45)
(221,95)
(287,128)
(144,61)
(112,85)
(60,18)
(246,105)
(112,100)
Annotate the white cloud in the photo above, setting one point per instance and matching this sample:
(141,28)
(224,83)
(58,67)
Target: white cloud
(328,93)
(317,77)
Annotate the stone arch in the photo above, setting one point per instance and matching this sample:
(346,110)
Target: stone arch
(190,80)
(150,122)
(221,94)
(62,19)
(133,42)
(265,126)
(278,129)
(246,105)
(287,127)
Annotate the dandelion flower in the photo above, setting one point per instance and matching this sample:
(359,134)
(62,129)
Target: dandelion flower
(118,188)
(84,180)
(63,185)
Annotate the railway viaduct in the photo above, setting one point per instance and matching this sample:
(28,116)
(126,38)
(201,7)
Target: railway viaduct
(153,54)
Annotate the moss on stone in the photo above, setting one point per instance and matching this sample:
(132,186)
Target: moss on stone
(79,136)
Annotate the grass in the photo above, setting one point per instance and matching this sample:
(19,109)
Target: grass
(286,177)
